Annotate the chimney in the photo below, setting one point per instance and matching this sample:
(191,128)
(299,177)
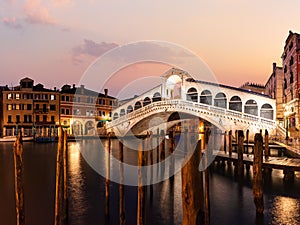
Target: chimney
(54,88)
(274,66)
(82,89)
(105,92)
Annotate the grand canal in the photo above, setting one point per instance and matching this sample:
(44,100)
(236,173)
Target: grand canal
(231,201)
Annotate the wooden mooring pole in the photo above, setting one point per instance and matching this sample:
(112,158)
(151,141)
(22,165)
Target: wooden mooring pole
(121,187)
(65,172)
(107,181)
(240,151)
(230,143)
(267,145)
(192,188)
(257,174)
(141,207)
(19,180)
(225,141)
(59,212)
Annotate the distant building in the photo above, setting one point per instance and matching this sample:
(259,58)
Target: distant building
(274,89)
(291,82)
(30,108)
(254,87)
(83,111)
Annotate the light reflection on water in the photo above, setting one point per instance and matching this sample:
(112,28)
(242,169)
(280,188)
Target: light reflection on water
(285,210)
(231,201)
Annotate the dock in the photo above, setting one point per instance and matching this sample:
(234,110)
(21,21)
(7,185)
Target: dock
(288,165)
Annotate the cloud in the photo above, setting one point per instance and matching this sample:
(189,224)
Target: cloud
(36,13)
(11,22)
(90,48)
(61,3)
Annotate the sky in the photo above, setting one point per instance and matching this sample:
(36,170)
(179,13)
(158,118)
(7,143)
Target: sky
(55,42)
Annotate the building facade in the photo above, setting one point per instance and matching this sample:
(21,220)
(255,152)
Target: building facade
(291,82)
(274,89)
(83,111)
(30,108)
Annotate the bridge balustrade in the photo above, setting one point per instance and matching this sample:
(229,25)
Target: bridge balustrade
(189,106)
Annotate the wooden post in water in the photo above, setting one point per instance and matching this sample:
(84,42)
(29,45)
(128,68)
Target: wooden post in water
(266,145)
(192,188)
(141,188)
(247,142)
(121,187)
(65,172)
(257,174)
(230,142)
(107,181)
(162,144)
(157,146)
(240,151)
(19,180)
(59,180)
(225,141)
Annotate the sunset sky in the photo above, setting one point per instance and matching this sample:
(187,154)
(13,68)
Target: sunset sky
(55,41)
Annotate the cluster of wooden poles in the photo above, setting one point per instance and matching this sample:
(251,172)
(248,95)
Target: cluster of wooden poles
(195,183)
(61,193)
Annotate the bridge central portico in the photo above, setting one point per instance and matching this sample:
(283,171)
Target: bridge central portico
(227,108)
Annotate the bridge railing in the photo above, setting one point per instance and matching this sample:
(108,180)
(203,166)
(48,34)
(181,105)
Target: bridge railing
(189,106)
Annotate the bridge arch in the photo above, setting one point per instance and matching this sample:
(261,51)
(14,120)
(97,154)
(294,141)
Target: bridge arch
(220,100)
(137,105)
(156,97)
(206,97)
(129,109)
(192,94)
(267,111)
(173,87)
(251,107)
(235,103)
(122,112)
(115,116)
(146,101)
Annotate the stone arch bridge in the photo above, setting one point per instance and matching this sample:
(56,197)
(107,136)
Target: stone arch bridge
(227,108)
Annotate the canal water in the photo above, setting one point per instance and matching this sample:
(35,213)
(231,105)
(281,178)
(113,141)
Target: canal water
(231,200)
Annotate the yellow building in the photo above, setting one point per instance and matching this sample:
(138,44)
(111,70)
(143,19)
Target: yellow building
(30,108)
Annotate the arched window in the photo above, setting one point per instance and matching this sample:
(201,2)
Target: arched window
(235,104)
(129,109)
(251,107)
(206,97)
(116,116)
(137,105)
(156,97)
(146,101)
(221,100)
(267,111)
(192,95)
(122,112)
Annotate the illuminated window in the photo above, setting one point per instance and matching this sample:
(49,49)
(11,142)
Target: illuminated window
(9,96)
(17,96)
(52,97)
(9,107)
(17,107)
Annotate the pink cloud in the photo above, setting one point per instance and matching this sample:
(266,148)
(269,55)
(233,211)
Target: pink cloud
(60,3)
(90,49)
(11,22)
(36,13)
